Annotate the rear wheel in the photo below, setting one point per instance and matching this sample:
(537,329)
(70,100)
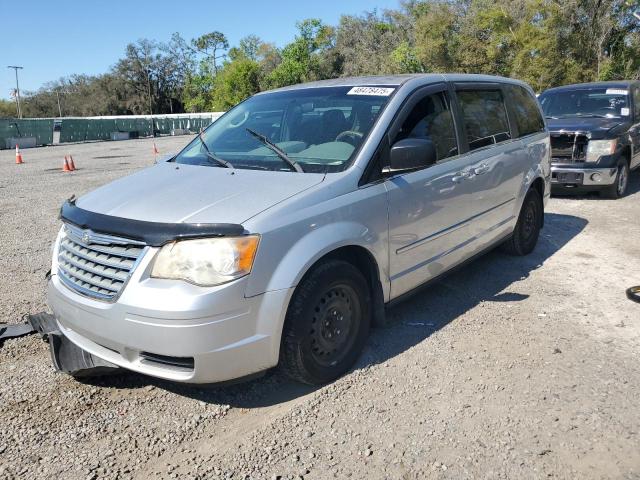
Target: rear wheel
(619,187)
(525,235)
(327,323)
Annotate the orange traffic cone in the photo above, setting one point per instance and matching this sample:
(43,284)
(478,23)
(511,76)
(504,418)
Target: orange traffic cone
(155,149)
(18,156)
(65,165)
(72,165)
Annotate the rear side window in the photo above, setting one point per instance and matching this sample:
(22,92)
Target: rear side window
(484,116)
(527,115)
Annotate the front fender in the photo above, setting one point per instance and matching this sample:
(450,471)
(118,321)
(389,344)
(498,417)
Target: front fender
(315,243)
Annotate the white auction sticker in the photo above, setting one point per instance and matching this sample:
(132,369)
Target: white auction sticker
(625,112)
(375,91)
(617,91)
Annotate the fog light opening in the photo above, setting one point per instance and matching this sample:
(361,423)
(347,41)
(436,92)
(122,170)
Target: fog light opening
(596,177)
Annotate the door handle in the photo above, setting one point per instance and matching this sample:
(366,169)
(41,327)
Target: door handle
(458,177)
(481,169)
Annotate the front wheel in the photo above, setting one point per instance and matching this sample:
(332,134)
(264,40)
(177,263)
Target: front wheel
(327,323)
(619,187)
(525,235)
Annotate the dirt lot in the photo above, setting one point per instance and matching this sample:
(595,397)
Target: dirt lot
(512,368)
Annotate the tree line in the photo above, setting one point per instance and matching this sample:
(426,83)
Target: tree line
(543,42)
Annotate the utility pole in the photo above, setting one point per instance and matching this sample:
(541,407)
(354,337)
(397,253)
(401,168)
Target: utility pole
(15,68)
(59,109)
(149,91)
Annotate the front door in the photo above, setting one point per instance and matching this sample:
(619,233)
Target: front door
(429,209)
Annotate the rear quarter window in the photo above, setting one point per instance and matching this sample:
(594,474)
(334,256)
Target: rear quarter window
(527,115)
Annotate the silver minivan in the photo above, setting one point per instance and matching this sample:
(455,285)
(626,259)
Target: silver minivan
(279,234)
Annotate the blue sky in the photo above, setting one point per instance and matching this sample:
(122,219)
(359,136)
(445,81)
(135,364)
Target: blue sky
(52,39)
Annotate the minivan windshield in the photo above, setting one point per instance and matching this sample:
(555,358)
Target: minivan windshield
(586,102)
(303,130)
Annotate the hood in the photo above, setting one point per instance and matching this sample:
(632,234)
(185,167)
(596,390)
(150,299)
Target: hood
(173,193)
(598,127)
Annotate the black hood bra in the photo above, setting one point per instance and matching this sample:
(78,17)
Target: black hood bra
(154,234)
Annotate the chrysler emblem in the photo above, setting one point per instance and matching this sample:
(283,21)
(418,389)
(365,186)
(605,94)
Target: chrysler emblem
(86,237)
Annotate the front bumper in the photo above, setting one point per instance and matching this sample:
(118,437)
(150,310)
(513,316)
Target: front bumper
(174,330)
(581,176)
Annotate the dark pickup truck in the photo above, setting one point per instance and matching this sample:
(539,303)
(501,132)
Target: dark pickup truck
(595,135)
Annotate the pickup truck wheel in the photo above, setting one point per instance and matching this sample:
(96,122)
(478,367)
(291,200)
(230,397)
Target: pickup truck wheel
(327,323)
(525,235)
(619,187)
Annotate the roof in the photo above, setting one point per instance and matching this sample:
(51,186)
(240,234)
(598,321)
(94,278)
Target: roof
(389,80)
(396,80)
(610,84)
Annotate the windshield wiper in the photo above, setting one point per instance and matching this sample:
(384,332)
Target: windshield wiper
(219,160)
(277,150)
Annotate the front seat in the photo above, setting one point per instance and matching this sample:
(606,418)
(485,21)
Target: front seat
(331,124)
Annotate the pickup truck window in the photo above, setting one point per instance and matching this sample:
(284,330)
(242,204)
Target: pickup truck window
(586,102)
(484,117)
(527,114)
(636,103)
(319,129)
(431,119)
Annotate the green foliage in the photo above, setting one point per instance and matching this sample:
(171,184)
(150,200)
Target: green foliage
(404,59)
(7,109)
(302,59)
(236,81)
(367,43)
(435,36)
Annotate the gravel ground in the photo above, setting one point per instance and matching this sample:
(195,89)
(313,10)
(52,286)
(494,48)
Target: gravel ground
(511,368)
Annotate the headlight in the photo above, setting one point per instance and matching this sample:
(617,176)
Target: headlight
(206,262)
(599,148)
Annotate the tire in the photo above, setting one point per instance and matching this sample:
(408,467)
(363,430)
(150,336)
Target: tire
(525,234)
(618,188)
(327,323)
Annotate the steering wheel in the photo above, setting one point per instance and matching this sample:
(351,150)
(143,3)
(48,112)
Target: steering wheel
(350,136)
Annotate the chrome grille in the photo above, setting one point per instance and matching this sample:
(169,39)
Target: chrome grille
(96,265)
(569,147)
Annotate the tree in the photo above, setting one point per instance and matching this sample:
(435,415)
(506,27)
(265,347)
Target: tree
(541,55)
(302,58)
(237,80)
(543,42)
(7,109)
(366,43)
(212,45)
(436,36)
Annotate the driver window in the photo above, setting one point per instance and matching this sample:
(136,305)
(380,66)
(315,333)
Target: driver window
(484,116)
(431,119)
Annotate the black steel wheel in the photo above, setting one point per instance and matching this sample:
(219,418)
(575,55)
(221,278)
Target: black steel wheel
(327,323)
(527,230)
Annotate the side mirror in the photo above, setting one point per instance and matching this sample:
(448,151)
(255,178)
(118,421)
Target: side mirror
(411,154)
